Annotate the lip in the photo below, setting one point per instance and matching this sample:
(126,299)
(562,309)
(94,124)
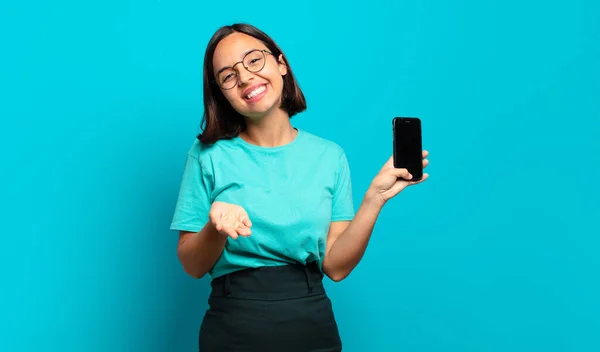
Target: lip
(259,96)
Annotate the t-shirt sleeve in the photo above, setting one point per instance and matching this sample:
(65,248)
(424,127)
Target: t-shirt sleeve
(343,206)
(193,202)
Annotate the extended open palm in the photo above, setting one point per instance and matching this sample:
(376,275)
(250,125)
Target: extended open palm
(230,219)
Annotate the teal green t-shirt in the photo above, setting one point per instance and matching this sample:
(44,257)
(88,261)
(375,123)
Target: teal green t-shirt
(291,193)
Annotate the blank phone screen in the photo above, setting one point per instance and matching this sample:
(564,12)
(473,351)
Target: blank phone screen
(408,152)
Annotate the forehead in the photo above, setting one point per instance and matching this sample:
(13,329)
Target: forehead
(233,47)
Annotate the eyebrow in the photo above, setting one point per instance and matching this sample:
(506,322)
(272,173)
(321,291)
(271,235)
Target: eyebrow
(244,54)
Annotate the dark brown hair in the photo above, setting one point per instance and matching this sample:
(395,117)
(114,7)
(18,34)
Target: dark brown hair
(220,120)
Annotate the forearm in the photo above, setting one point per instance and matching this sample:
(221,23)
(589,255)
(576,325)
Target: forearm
(349,248)
(198,252)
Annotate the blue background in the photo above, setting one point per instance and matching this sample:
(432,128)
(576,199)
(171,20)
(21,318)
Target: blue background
(497,251)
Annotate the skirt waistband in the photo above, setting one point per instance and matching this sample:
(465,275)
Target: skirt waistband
(270,283)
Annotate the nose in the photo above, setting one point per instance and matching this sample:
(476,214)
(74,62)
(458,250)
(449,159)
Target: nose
(244,76)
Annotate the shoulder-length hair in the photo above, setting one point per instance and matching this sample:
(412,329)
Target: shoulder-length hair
(220,120)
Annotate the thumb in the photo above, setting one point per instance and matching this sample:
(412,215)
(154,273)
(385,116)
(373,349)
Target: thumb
(401,173)
(215,219)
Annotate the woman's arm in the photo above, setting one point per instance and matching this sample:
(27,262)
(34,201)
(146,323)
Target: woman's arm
(199,251)
(347,240)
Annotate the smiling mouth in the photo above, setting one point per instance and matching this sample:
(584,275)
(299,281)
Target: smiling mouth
(255,92)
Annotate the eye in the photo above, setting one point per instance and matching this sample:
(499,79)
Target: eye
(254,61)
(228,77)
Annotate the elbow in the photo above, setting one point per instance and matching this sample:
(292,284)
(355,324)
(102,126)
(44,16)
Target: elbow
(192,270)
(196,274)
(335,274)
(337,277)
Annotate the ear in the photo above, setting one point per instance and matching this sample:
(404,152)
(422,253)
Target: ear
(282,65)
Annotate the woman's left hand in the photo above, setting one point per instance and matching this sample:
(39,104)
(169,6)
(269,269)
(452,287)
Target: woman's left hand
(390,181)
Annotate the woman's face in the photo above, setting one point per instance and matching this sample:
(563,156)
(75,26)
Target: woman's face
(252,94)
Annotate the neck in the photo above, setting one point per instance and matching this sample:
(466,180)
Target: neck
(272,130)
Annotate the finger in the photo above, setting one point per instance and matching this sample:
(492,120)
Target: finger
(246,221)
(425,163)
(244,231)
(425,176)
(425,154)
(231,233)
(402,173)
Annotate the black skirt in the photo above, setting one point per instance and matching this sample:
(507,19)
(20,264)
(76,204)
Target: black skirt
(279,309)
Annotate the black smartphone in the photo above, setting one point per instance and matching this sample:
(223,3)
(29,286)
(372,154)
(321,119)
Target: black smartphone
(408,145)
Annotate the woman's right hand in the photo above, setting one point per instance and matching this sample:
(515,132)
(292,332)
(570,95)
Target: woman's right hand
(230,219)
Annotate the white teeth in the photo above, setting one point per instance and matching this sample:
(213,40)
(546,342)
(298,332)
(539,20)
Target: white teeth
(256,92)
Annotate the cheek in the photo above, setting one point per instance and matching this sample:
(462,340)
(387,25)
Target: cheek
(231,97)
(276,80)
(279,81)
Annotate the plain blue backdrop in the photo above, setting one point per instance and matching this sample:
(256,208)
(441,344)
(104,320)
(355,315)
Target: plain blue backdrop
(497,251)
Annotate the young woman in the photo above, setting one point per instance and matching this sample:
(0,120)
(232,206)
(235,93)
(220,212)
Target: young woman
(266,209)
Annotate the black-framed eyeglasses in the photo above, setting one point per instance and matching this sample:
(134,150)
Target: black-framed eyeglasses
(253,61)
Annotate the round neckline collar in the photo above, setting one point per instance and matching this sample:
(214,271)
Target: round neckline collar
(241,141)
